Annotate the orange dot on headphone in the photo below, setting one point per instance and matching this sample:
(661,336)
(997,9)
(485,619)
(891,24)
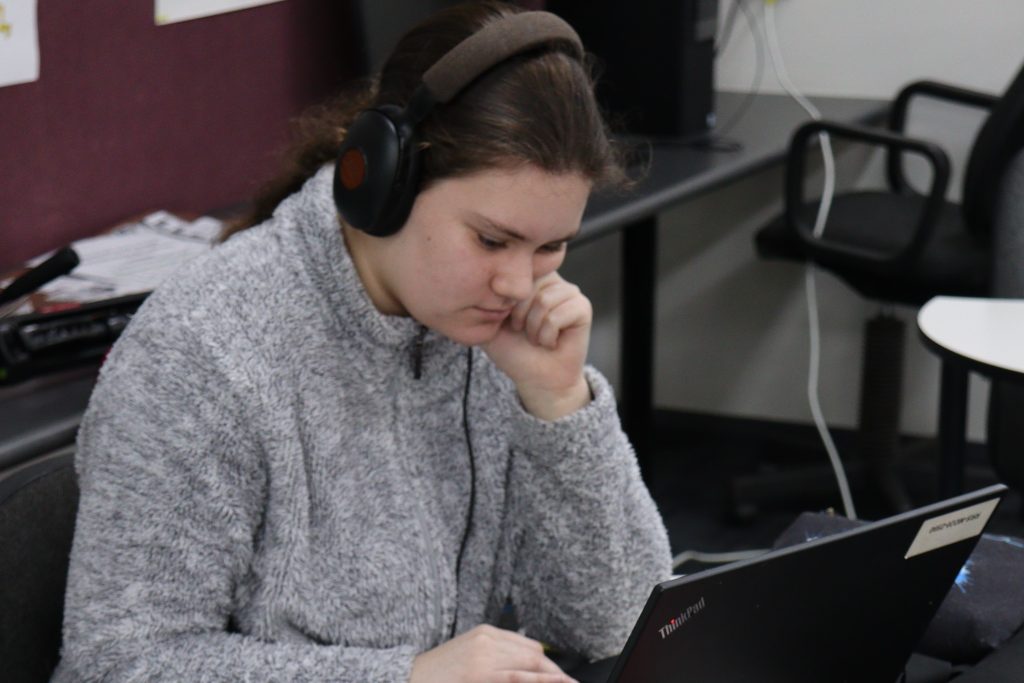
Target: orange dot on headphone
(353,168)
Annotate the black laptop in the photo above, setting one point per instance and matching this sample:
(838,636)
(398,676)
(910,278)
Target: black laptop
(845,608)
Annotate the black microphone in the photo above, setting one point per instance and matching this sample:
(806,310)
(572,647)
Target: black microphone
(61,263)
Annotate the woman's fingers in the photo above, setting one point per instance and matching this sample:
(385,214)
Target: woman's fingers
(487,654)
(533,677)
(552,309)
(574,312)
(516,656)
(517,319)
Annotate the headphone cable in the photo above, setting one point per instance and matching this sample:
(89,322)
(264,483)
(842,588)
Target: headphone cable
(472,488)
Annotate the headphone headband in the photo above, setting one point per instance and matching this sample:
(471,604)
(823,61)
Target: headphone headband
(493,44)
(377,171)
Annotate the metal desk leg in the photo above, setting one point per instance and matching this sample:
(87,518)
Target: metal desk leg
(952,428)
(636,367)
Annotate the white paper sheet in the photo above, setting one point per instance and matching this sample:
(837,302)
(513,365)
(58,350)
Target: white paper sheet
(19,42)
(172,11)
(135,258)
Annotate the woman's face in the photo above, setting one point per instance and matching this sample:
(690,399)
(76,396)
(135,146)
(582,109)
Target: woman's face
(474,246)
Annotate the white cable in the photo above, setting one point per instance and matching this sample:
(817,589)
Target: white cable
(779,66)
(775,53)
(755,86)
(814,362)
(825,205)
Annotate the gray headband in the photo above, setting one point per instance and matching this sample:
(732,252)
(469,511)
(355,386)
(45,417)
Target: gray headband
(493,44)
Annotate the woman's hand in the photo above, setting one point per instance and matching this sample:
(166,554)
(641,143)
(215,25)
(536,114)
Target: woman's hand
(542,347)
(487,655)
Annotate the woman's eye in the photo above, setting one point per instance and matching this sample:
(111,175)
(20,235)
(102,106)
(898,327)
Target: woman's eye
(553,248)
(488,243)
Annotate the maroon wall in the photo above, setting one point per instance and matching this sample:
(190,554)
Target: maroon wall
(128,116)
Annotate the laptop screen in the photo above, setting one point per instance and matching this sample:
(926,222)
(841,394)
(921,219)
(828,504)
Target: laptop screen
(847,607)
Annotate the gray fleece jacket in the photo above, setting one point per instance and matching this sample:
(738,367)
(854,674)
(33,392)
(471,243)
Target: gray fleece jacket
(275,481)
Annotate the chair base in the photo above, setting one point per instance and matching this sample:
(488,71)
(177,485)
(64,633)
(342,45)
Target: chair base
(878,449)
(814,486)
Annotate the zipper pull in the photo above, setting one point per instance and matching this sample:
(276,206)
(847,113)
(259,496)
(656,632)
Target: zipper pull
(417,353)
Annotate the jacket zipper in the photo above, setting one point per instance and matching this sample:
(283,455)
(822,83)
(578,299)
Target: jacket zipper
(417,353)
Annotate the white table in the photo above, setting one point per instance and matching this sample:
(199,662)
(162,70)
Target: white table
(969,334)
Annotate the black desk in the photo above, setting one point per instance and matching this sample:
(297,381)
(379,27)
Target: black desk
(678,173)
(43,414)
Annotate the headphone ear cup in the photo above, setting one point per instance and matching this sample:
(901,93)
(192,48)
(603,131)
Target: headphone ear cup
(376,174)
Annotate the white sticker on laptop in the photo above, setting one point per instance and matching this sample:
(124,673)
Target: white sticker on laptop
(952,527)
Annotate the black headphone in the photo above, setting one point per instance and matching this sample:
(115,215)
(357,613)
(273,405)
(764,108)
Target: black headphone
(376,175)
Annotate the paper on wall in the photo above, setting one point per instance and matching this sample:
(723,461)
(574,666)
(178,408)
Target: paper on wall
(172,11)
(19,42)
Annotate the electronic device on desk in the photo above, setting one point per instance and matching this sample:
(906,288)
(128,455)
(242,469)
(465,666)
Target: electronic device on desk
(845,608)
(37,343)
(67,309)
(656,61)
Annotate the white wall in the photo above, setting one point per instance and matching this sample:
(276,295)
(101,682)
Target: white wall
(870,48)
(732,329)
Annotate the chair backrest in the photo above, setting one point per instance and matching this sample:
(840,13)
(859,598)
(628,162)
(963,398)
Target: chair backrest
(38,502)
(997,143)
(1006,398)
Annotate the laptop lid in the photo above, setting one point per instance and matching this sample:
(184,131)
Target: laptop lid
(847,607)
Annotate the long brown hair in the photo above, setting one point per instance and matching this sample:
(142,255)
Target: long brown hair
(536,108)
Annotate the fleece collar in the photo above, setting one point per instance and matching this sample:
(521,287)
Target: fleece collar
(312,214)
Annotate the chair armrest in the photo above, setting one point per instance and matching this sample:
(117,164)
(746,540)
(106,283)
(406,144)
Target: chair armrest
(827,250)
(938,91)
(901,105)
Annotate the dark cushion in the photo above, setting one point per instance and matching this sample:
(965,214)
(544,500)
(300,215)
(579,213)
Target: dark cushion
(37,516)
(1002,666)
(982,610)
(953,262)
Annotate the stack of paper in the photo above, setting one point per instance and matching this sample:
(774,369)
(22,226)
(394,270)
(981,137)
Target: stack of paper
(132,259)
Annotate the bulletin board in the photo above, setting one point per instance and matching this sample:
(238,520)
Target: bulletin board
(128,116)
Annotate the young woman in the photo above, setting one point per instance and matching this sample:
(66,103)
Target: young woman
(336,452)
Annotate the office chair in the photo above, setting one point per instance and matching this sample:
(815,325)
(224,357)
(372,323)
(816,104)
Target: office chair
(38,501)
(900,246)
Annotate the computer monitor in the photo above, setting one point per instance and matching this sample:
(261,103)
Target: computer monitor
(656,61)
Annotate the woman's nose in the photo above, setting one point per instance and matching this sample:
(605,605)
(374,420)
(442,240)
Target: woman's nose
(514,280)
